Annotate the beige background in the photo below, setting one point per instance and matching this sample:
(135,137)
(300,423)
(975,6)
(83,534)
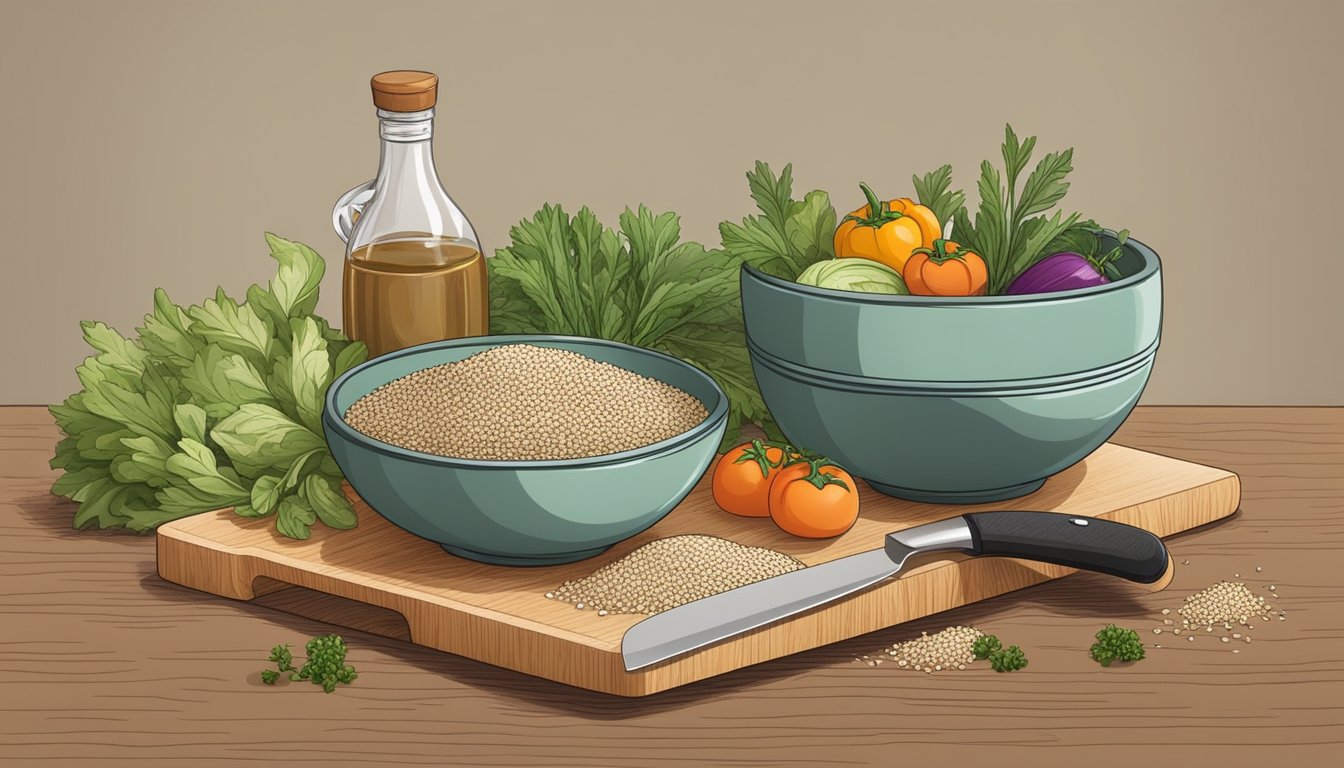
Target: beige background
(146,144)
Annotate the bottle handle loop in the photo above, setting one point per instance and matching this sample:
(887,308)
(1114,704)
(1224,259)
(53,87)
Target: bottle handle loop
(349,207)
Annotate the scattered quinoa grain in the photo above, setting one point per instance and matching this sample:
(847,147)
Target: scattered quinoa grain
(1224,602)
(523,402)
(939,652)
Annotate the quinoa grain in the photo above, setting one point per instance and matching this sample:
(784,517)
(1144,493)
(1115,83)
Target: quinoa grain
(942,651)
(666,573)
(1223,603)
(520,402)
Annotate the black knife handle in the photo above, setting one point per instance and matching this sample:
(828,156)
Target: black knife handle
(1086,543)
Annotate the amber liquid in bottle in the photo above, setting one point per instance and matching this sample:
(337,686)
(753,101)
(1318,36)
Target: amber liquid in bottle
(399,293)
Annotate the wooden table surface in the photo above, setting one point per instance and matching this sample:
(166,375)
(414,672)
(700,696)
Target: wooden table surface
(103,662)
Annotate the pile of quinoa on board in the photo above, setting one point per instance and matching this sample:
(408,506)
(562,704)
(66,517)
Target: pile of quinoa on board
(666,573)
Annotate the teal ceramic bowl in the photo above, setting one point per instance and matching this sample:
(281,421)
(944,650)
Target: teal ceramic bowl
(955,400)
(524,512)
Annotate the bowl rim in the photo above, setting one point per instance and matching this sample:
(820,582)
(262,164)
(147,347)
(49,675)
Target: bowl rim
(1152,265)
(332,420)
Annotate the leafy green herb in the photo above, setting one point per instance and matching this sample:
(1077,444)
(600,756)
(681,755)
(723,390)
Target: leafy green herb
(641,285)
(1000,659)
(1116,644)
(1010,230)
(283,658)
(1009,659)
(215,405)
(932,190)
(326,663)
(789,235)
(984,646)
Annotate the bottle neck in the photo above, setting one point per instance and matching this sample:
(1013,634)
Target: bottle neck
(406,151)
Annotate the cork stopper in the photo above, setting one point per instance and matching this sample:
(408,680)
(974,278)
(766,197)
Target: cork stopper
(404,90)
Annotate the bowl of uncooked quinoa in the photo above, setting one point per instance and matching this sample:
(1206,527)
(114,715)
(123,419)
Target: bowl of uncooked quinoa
(524,450)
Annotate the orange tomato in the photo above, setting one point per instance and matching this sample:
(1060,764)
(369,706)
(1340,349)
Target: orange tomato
(742,478)
(802,508)
(945,270)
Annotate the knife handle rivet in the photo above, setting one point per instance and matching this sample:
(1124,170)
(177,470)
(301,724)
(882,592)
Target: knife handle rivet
(1077,521)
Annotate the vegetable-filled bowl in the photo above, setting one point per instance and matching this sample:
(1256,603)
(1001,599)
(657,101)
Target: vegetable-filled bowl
(524,512)
(955,399)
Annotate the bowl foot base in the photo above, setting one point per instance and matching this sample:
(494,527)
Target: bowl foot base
(481,557)
(950,497)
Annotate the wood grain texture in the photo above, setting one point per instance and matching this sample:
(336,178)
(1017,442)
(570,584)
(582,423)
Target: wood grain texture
(499,615)
(106,664)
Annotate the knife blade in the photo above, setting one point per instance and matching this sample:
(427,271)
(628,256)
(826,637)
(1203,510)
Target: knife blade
(1074,541)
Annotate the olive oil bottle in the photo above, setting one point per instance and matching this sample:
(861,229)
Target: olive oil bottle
(414,269)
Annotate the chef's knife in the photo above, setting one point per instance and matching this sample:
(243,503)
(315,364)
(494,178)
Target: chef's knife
(1086,543)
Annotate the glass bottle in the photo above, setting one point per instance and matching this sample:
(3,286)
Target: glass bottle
(414,270)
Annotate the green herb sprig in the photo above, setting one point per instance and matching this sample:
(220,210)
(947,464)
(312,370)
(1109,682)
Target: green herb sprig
(790,235)
(984,646)
(1001,659)
(640,285)
(325,665)
(1010,230)
(1009,659)
(215,405)
(1116,644)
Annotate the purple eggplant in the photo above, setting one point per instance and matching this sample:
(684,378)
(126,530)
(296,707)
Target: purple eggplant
(1066,271)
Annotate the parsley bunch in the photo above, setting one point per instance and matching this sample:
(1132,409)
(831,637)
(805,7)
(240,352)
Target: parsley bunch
(325,665)
(789,235)
(216,405)
(1001,659)
(639,285)
(1116,644)
(1011,229)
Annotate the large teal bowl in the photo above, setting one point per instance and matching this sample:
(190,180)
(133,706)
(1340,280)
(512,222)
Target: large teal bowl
(524,512)
(955,400)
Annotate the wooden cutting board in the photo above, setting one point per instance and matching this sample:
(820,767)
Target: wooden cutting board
(499,615)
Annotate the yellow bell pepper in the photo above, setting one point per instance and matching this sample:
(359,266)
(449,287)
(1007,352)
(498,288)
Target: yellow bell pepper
(886,232)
